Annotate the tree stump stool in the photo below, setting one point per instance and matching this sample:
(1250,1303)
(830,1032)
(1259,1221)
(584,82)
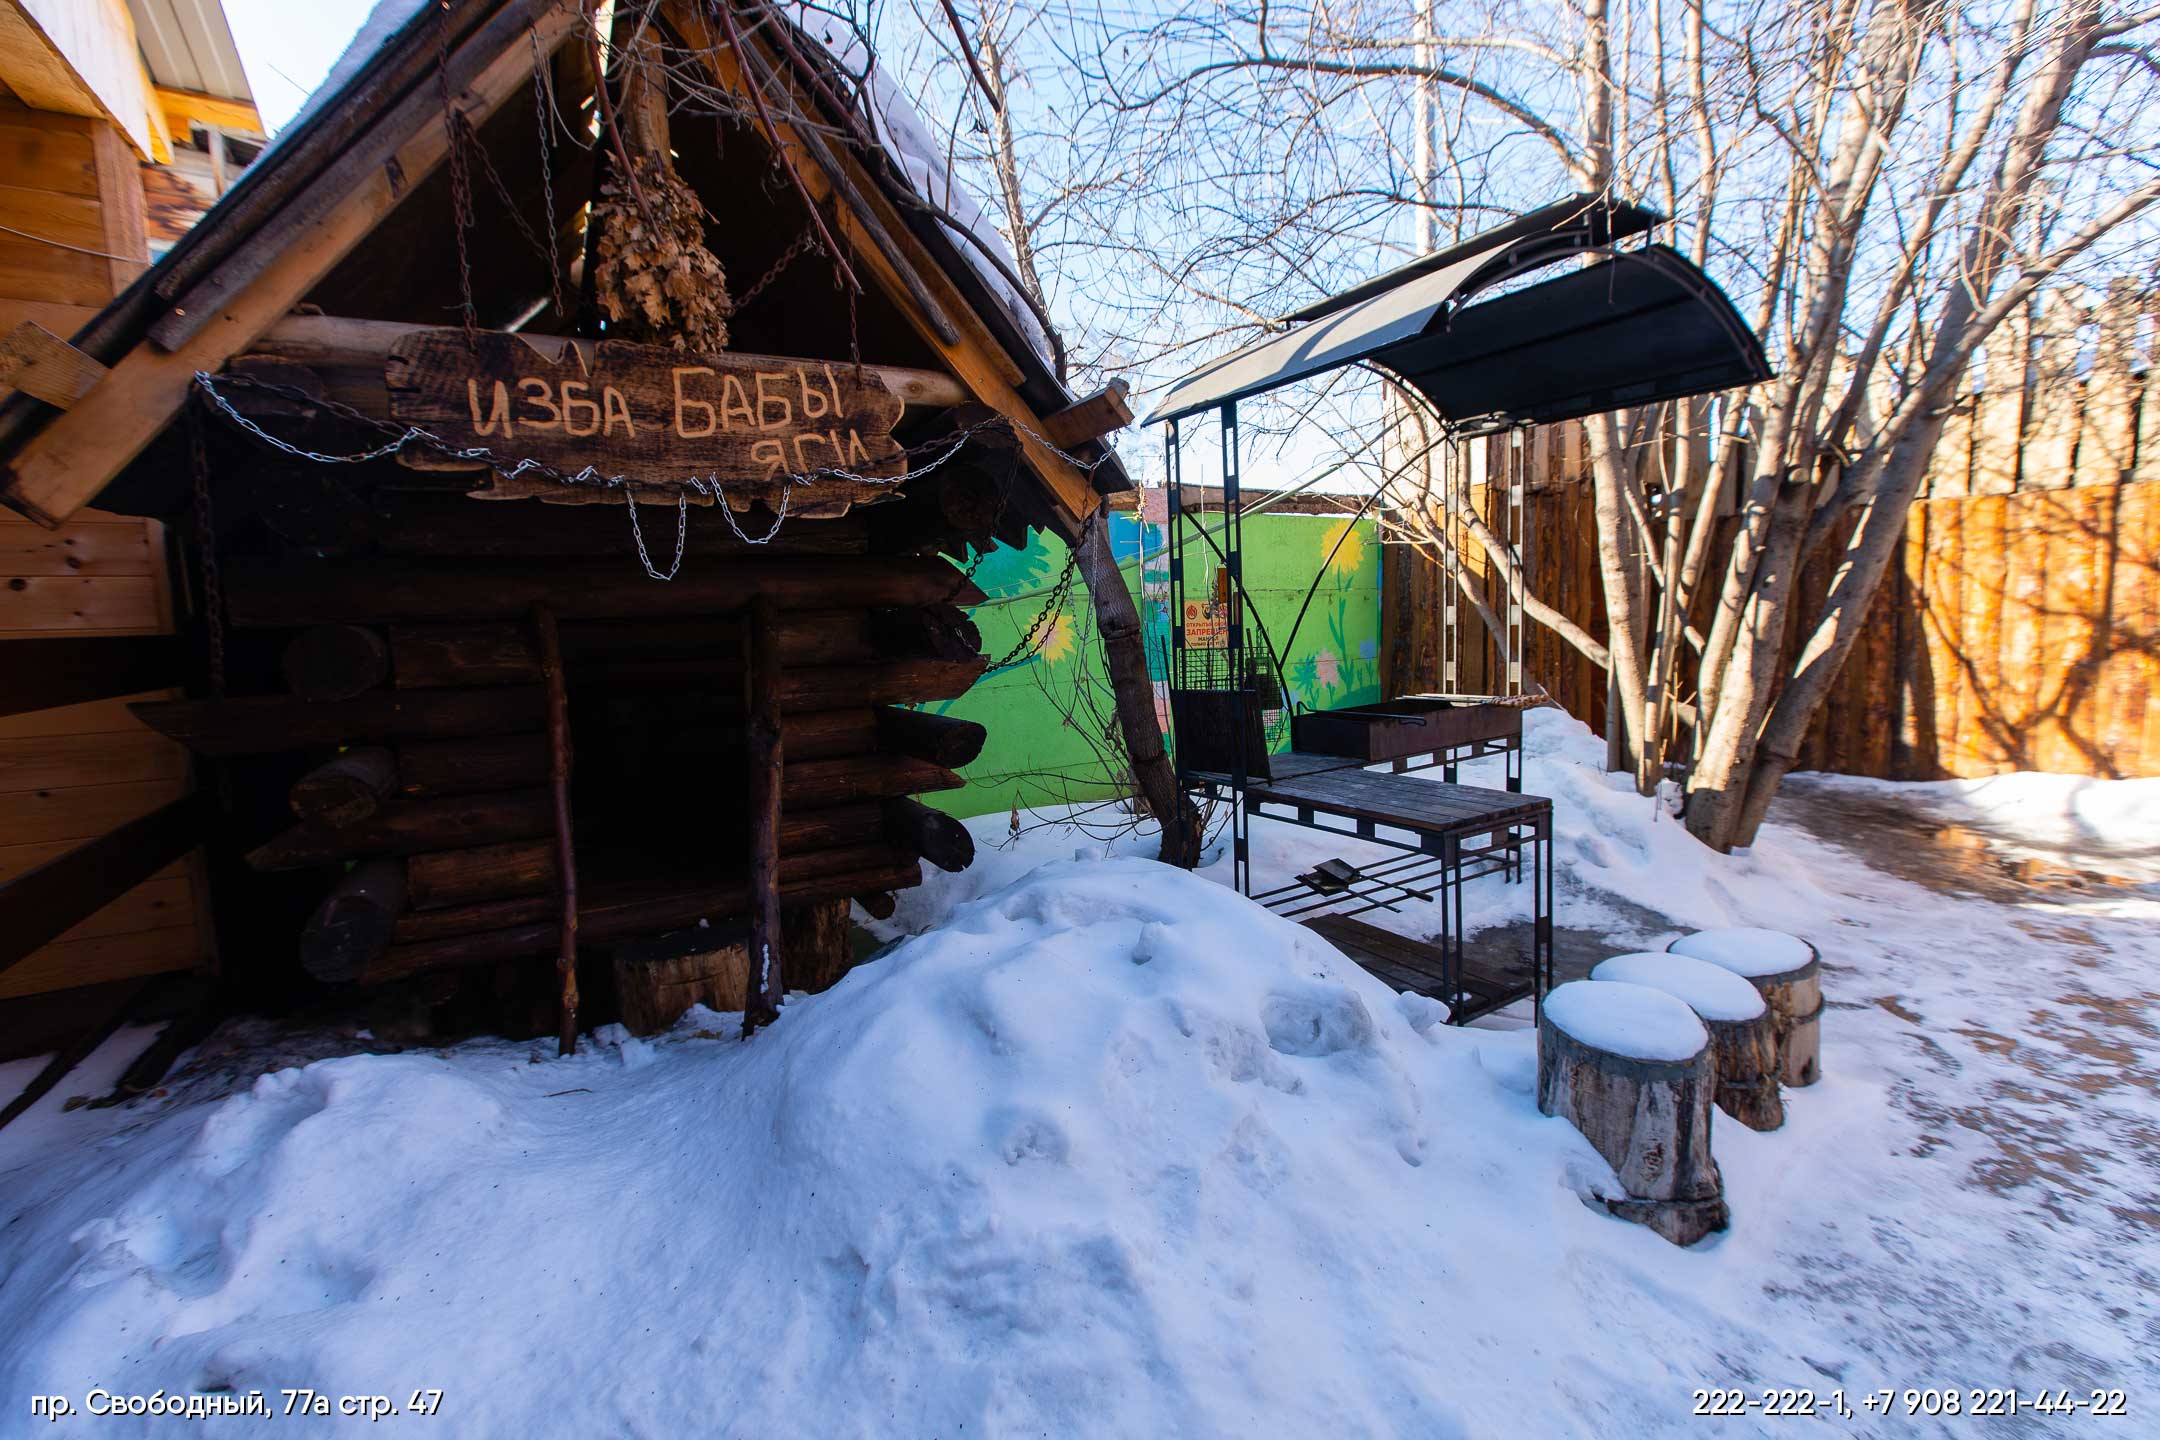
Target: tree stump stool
(1787,972)
(1742,1036)
(657,979)
(1631,1068)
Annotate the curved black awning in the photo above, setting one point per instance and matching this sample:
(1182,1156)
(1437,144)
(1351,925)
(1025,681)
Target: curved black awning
(1633,328)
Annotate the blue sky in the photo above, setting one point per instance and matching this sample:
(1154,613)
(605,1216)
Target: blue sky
(287,46)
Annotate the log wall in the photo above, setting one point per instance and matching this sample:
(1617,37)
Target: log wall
(2022,630)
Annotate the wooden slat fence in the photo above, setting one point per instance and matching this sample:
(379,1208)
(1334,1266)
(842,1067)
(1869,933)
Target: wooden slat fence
(2021,632)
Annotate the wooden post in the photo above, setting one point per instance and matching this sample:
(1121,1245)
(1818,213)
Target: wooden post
(821,943)
(558,723)
(762,703)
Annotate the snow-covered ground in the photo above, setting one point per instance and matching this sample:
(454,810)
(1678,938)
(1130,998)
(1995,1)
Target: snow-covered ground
(1098,1148)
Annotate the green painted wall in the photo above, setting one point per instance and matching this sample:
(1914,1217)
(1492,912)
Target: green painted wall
(1041,709)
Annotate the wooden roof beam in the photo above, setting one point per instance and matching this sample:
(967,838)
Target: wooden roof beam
(342,344)
(885,249)
(1100,414)
(65,465)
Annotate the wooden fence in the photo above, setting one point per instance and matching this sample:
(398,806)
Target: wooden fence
(2022,631)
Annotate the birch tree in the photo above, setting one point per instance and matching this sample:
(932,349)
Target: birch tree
(1880,183)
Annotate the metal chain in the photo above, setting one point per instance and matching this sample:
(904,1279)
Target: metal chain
(1038,629)
(682,534)
(213,582)
(806,241)
(461,207)
(543,111)
(544,250)
(514,469)
(709,485)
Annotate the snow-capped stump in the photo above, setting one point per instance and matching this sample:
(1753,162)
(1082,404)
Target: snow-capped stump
(1631,1068)
(1742,1034)
(1787,971)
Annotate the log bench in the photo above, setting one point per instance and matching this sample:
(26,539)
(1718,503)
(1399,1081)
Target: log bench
(1787,971)
(1742,1037)
(1631,1068)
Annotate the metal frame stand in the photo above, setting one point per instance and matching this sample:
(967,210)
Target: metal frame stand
(1435,865)
(1518,538)
(1438,860)
(1233,549)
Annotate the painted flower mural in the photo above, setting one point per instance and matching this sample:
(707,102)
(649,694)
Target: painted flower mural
(1057,642)
(1330,661)
(1345,539)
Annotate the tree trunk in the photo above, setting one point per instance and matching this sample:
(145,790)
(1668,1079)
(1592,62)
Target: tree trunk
(335,662)
(1747,1070)
(1619,565)
(821,942)
(659,977)
(444,878)
(945,740)
(1125,657)
(932,834)
(761,1005)
(608,917)
(413,828)
(431,768)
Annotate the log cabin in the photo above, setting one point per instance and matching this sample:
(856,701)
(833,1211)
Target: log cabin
(568,436)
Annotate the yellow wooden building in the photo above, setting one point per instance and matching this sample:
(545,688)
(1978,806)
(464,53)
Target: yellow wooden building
(121,122)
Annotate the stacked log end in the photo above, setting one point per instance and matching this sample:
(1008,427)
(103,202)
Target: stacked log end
(349,787)
(435,811)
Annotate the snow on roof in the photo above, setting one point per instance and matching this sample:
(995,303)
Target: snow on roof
(1711,991)
(1623,1019)
(385,20)
(1746,951)
(901,128)
(907,136)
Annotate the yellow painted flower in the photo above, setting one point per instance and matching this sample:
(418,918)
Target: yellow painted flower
(1352,553)
(1058,643)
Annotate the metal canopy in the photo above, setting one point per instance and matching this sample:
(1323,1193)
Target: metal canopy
(1637,327)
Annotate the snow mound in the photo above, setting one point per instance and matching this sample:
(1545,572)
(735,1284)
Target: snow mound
(1113,1151)
(1711,991)
(1623,1019)
(1746,951)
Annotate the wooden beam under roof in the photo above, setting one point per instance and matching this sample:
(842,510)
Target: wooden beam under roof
(975,356)
(183,108)
(65,465)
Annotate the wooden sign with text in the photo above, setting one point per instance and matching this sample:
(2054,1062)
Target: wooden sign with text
(652,414)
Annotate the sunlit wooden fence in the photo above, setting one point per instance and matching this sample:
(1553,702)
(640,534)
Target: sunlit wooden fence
(2022,630)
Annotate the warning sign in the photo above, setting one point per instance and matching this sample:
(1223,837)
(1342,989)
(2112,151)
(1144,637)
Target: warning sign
(1207,625)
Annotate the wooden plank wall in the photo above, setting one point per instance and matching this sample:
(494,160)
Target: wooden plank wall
(72,180)
(71,774)
(2021,631)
